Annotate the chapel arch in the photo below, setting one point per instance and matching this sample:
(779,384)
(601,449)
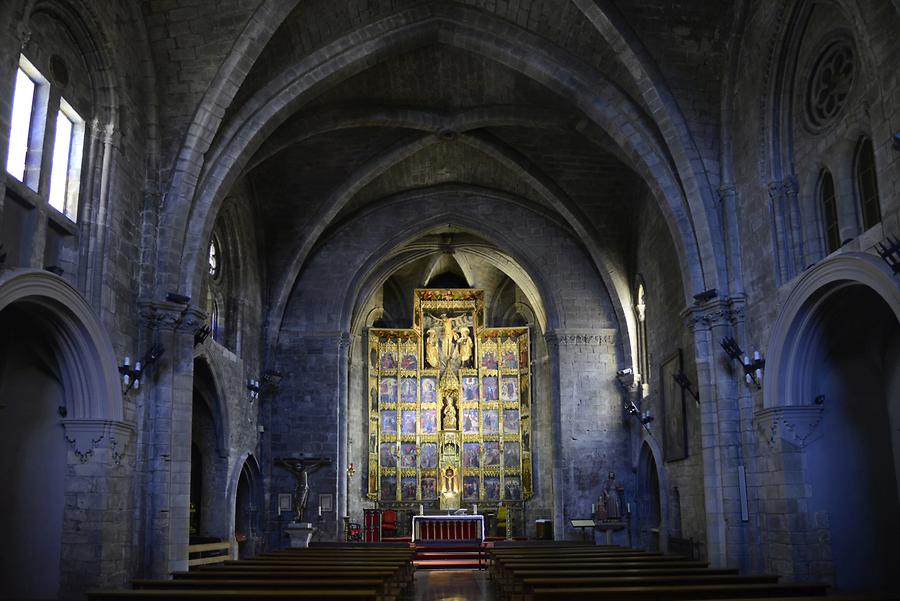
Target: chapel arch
(249,503)
(832,382)
(209,457)
(650,527)
(60,408)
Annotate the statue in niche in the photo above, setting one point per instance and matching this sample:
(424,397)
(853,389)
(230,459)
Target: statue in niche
(464,347)
(431,348)
(449,482)
(301,468)
(611,498)
(449,421)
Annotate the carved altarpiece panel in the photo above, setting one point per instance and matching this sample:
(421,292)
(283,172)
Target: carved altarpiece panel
(449,406)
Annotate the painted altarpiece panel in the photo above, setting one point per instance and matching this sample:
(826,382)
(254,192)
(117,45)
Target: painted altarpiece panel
(449,405)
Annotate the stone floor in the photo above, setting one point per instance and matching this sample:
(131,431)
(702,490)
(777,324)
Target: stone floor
(452,585)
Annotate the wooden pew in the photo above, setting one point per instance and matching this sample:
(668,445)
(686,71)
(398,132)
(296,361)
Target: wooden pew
(678,593)
(334,574)
(523,588)
(386,591)
(236,595)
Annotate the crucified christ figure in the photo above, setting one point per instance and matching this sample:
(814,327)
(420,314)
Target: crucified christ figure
(301,468)
(448,339)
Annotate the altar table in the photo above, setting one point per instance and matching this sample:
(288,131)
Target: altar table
(447,527)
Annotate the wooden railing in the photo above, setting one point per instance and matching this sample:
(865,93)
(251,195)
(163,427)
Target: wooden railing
(224,548)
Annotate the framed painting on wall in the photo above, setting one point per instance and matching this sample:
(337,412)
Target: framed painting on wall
(672,402)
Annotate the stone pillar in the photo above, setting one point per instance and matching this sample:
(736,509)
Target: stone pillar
(720,425)
(343,420)
(97,514)
(796,544)
(786,234)
(169,385)
(556,437)
(590,435)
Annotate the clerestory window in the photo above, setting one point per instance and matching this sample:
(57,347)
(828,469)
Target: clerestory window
(867,185)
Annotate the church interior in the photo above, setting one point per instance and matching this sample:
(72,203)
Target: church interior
(321,283)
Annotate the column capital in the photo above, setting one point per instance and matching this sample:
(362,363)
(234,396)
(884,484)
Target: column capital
(165,315)
(787,187)
(86,435)
(715,313)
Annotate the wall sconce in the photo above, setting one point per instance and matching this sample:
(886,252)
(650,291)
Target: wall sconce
(350,470)
(889,251)
(201,334)
(131,374)
(645,418)
(683,381)
(752,369)
(253,388)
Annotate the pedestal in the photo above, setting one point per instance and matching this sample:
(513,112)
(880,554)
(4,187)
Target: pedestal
(609,528)
(300,533)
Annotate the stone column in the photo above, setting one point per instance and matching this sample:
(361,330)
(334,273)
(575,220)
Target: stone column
(784,208)
(720,424)
(97,514)
(343,420)
(169,386)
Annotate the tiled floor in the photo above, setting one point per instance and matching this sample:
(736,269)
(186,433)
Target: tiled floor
(452,585)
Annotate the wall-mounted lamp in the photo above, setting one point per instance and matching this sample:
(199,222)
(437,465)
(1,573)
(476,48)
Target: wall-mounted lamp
(131,374)
(253,388)
(201,334)
(897,140)
(350,470)
(889,251)
(753,370)
(685,383)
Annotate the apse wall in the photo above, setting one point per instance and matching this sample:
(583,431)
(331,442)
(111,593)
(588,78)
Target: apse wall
(584,435)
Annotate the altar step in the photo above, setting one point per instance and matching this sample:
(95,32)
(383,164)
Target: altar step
(447,556)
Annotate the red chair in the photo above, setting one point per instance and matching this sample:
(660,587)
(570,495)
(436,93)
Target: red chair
(388,523)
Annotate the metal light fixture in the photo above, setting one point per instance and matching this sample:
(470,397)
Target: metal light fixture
(131,374)
(889,251)
(253,388)
(685,383)
(753,370)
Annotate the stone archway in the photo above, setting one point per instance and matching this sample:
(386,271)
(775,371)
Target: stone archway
(833,412)
(650,531)
(67,443)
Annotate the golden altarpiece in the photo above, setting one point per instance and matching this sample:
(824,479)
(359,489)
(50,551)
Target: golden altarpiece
(449,406)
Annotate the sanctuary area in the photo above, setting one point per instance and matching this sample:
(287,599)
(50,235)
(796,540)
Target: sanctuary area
(431,299)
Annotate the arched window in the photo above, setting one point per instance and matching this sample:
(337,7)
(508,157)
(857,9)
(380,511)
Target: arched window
(867,184)
(33,98)
(213,258)
(643,358)
(828,204)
